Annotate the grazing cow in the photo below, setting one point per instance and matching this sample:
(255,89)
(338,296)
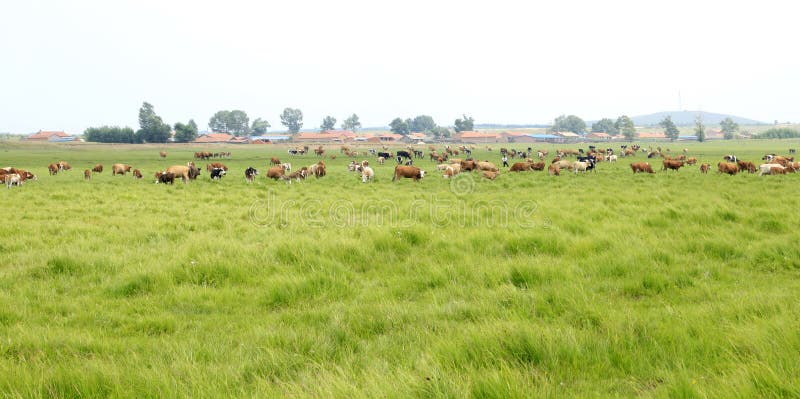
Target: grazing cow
(727,167)
(63,165)
(12,179)
(451,170)
(704,168)
(213,165)
(52,168)
(404,154)
(766,169)
(274,161)
(582,166)
(381,160)
(319,151)
(691,161)
(563,164)
(553,170)
(186,173)
(275,172)
(777,170)
(297,175)
(520,167)
(250,174)
(491,175)
(165,178)
(317,169)
(408,172)
(385,155)
(537,165)
(641,167)
(162,154)
(287,166)
(137,174)
(98,168)
(611,158)
(352,166)
(671,164)
(367,174)
(120,169)
(468,166)
(217,173)
(746,166)
(486,165)
(792,151)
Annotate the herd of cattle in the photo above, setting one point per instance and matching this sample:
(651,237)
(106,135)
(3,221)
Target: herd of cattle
(446,161)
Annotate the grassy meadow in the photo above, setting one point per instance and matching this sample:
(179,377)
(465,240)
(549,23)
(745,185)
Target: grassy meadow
(603,284)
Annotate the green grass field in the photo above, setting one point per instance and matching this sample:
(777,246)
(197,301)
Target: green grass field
(604,284)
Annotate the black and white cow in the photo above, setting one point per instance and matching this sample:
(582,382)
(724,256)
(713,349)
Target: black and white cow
(730,158)
(385,155)
(217,173)
(250,174)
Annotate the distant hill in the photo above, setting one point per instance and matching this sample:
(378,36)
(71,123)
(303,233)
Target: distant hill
(686,118)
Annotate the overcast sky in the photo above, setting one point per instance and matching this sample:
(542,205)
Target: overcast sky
(68,65)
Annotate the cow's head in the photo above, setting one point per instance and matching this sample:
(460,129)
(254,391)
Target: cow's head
(421,174)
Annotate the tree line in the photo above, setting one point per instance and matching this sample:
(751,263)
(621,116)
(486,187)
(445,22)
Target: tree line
(153,129)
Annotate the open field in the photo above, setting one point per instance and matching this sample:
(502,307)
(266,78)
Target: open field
(594,285)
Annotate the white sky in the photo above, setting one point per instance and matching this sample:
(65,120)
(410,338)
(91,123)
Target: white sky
(68,65)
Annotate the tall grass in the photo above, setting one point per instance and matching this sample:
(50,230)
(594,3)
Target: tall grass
(609,284)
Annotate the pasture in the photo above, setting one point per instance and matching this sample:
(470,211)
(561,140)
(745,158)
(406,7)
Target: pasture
(674,284)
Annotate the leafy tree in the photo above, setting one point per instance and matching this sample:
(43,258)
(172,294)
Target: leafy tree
(260,126)
(292,118)
(624,125)
(234,122)
(728,127)
(440,132)
(351,123)
(328,123)
(670,130)
(399,126)
(699,128)
(110,134)
(219,122)
(238,122)
(152,127)
(422,123)
(464,125)
(605,125)
(185,133)
(570,123)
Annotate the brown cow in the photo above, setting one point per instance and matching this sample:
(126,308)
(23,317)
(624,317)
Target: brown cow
(468,166)
(486,165)
(184,172)
(777,171)
(137,174)
(704,168)
(98,168)
(87,174)
(120,169)
(63,165)
(671,164)
(274,161)
(520,167)
(211,166)
(52,168)
(162,154)
(641,167)
(409,172)
(275,172)
(553,170)
(691,161)
(746,166)
(727,167)
(491,175)
(165,177)
(537,165)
